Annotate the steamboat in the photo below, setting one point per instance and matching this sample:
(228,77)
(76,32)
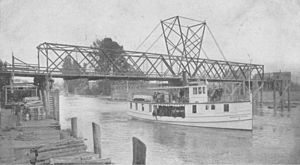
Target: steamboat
(195,104)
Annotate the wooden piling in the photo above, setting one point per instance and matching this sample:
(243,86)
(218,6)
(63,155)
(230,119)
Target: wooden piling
(288,95)
(139,152)
(281,96)
(74,127)
(97,139)
(261,94)
(274,95)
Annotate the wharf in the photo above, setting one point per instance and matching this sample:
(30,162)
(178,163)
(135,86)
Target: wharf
(20,144)
(16,141)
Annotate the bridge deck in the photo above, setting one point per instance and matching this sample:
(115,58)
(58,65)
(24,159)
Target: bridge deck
(26,71)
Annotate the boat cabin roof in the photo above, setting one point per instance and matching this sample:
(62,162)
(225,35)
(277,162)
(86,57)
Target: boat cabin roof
(169,87)
(177,87)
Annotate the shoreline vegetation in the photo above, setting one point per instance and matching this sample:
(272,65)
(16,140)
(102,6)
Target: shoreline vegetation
(108,51)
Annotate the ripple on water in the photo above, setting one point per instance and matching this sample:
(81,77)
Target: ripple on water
(275,138)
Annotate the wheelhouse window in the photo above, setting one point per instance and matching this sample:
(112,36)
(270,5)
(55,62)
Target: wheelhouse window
(194,91)
(150,108)
(199,90)
(213,107)
(130,105)
(226,107)
(203,90)
(136,106)
(206,107)
(143,107)
(194,109)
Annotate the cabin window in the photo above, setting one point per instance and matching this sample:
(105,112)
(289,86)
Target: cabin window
(136,106)
(150,108)
(199,90)
(213,107)
(142,107)
(203,90)
(130,105)
(172,111)
(226,107)
(194,109)
(194,91)
(206,107)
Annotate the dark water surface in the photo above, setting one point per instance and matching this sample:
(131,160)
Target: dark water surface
(275,138)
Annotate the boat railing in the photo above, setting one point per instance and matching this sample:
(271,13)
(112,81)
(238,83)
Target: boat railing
(229,98)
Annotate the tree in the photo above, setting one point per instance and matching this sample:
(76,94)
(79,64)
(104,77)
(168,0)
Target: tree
(71,67)
(109,56)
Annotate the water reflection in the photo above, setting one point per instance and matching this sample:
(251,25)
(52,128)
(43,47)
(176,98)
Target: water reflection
(275,138)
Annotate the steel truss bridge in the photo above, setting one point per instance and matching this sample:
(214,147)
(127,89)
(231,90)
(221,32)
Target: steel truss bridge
(185,54)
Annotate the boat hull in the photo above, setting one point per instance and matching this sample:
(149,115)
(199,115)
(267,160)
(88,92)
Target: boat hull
(240,125)
(241,120)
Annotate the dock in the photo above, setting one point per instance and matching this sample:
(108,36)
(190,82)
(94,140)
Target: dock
(41,142)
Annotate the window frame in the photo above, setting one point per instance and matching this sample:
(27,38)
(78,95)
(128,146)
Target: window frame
(136,106)
(195,90)
(226,107)
(213,107)
(194,109)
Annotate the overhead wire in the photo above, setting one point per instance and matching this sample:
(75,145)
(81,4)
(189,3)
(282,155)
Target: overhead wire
(154,42)
(217,44)
(204,52)
(148,36)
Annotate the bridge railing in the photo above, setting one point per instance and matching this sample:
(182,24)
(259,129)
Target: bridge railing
(19,68)
(33,70)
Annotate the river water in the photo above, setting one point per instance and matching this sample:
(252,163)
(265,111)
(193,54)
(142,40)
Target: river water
(275,138)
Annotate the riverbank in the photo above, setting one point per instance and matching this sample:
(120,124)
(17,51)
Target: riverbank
(275,137)
(16,141)
(40,142)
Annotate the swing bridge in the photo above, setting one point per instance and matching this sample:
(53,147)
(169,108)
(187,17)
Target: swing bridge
(185,54)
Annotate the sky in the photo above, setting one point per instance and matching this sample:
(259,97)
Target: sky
(267,30)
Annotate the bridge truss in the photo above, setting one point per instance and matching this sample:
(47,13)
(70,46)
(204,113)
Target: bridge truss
(143,65)
(184,54)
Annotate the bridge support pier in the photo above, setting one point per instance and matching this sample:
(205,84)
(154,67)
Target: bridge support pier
(45,84)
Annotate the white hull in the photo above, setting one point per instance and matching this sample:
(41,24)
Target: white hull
(230,120)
